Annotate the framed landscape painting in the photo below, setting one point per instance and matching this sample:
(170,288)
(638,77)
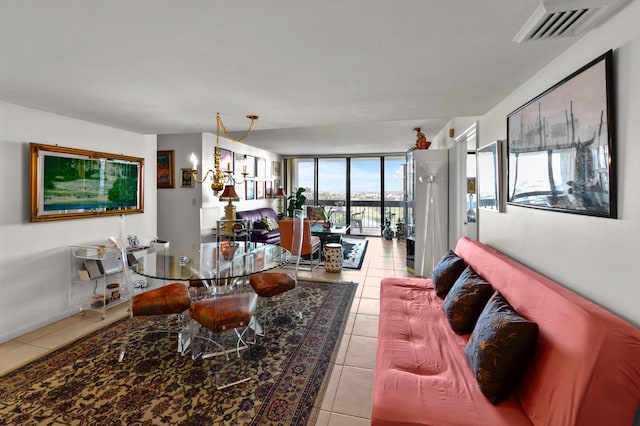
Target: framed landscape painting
(68,183)
(561,145)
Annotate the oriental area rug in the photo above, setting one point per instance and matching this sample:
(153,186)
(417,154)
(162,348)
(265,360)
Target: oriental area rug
(83,383)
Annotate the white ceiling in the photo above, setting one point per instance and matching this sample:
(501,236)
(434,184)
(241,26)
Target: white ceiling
(325,77)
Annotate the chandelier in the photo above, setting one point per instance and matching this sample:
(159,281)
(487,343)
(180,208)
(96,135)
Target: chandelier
(219,176)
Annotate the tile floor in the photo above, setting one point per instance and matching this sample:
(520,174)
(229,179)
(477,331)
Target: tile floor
(347,399)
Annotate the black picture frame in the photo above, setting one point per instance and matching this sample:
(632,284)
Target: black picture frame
(561,145)
(489,185)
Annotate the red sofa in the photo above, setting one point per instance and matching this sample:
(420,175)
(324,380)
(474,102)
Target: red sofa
(585,369)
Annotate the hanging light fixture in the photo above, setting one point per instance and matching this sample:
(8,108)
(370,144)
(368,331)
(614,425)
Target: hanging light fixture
(219,176)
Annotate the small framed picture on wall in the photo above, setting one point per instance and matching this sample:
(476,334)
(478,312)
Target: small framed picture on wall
(268,189)
(261,167)
(250,190)
(186,178)
(259,190)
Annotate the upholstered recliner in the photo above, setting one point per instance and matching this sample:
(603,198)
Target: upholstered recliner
(260,234)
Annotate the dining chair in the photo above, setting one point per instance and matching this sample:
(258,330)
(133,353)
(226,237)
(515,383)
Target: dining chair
(223,319)
(169,299)
(311,244)
(269,285)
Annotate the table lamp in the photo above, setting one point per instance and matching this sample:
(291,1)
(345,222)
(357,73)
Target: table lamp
(229,194)
(280,195)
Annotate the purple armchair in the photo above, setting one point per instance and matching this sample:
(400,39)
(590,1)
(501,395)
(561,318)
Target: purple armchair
(262,235)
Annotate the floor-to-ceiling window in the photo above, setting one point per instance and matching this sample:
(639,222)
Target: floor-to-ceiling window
(394,181)
(365,195)
(332,188)
(361,191)
(304,177)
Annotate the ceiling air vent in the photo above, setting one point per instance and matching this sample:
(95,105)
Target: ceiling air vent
(556,19)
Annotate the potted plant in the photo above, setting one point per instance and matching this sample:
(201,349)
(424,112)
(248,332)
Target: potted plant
(326,216)
(387,231)
(295,201)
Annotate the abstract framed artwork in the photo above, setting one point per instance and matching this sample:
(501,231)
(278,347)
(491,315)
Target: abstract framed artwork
(259,190)
(562,145)
(249,190)
(164,178)
(69,183)
(489,184)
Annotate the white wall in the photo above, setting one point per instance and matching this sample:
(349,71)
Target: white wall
(595,257)
(179,208)
(34,257)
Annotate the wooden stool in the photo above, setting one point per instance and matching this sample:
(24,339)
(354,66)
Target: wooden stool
(333,257)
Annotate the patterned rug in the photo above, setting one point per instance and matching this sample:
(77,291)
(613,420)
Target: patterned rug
(353,251)
(82,383)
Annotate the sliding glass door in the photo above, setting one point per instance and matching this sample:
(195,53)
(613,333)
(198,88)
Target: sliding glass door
(332,187)
(365,191)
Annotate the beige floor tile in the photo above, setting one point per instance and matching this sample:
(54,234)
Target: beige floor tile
(342,420)
(365,325)
(348,328)
(50,328)
(68,334)
(332,388)
(20,355)
(372,282)
(353,397)
(9,346)
(342,349)
(354,305)
(361,352)
(369,307)
(371,292)
(323,418)
(380,273)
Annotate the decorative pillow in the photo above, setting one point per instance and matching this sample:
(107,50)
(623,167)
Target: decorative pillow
(465,301)
(259,225)
(447,272)
(500,347)
(270,224)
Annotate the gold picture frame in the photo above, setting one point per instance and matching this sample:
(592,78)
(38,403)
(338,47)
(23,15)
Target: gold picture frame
(69,183)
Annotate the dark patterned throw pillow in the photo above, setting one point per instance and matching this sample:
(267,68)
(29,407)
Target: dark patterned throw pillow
(500,348)
(466,300)
(447,272)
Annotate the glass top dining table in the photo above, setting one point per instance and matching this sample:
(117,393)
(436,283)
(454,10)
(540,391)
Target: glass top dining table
(208,261)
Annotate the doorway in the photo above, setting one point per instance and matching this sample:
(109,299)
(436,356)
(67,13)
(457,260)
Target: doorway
(466,145)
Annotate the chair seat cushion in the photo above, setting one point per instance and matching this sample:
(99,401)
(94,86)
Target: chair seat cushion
(268,284)
(169,299)
(224,312)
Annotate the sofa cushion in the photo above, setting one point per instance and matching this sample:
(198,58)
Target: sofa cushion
(270,224)
(447,272)
(260,224)
(466,300)
(500,348)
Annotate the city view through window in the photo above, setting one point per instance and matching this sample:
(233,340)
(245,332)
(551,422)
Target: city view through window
(361,207)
